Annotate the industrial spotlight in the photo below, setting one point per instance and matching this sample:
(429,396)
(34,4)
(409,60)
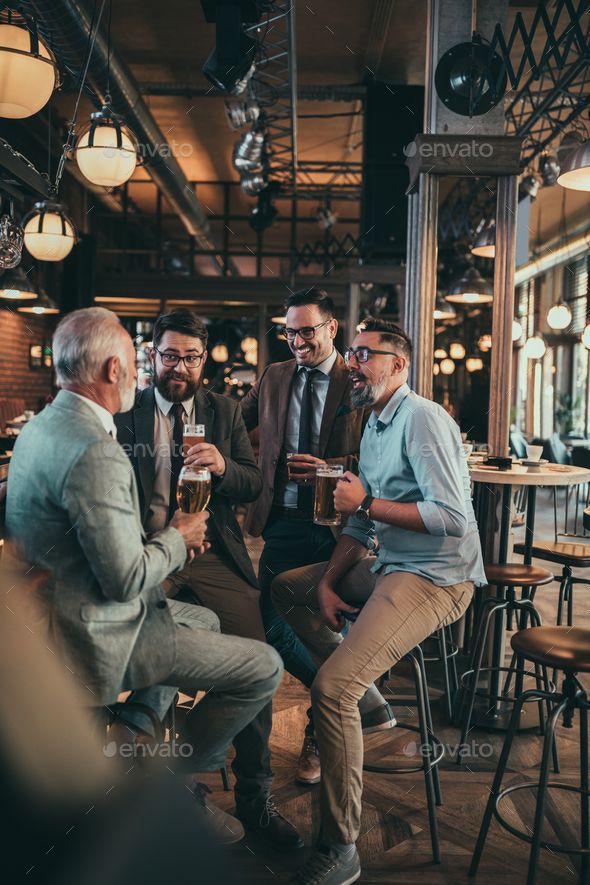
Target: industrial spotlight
(529,186)
(549,169)
(247,155)
(253,183)
(264,213)
(470,288)
(575,172)
(241,113)
(43,304)
(232,62)
(16,286)
(485,239)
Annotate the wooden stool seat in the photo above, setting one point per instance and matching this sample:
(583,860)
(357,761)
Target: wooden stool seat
(566,648)
(564,552)
(515,574)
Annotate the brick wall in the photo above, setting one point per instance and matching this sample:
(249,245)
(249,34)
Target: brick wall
(17,332)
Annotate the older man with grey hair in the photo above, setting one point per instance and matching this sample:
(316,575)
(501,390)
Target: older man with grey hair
(72,509)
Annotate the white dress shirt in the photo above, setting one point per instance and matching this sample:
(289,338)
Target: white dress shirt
(288,496)
(157,517)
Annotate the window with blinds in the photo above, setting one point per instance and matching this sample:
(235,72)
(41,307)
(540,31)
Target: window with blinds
(575,292)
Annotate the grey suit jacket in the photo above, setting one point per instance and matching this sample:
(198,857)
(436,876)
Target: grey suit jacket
(72,508)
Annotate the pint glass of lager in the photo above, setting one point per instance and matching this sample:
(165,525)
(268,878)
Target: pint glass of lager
(326,477)
(194,489)
(191,435)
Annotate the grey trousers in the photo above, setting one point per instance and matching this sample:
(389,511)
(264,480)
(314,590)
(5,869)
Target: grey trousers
(239,675)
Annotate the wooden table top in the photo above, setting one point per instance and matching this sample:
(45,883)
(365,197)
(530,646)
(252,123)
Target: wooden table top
(547,475)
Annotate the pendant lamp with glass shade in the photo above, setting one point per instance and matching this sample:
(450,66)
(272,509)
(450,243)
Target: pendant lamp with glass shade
(456,350)
(50,235)
(106,150)
(559,316)
(15,285)
(470,288)
(485,239)
(28,70)
(517,331)
(220,353)
(474,364)
(447,367)
(43,304)
(586,337)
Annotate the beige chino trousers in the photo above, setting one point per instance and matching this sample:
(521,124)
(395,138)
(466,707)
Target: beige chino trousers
(400,610)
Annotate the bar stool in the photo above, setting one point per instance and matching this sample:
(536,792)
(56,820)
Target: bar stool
(506,578)
(432,750)
(566,649)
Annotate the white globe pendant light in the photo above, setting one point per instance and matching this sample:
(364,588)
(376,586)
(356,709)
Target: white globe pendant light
(517,331)
(28,71)
(447,367)
(535,347)
(559,316)
(106,151)
(586,337)
(49,233)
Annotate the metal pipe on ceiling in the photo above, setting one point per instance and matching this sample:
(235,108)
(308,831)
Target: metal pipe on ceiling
(72,19)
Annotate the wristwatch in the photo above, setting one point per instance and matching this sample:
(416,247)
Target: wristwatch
(362,511)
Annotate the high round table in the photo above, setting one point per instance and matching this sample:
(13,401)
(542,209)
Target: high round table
(497,716)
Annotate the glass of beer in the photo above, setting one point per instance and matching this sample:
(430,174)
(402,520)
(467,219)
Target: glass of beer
(193,490)
(191,435)
(326,477)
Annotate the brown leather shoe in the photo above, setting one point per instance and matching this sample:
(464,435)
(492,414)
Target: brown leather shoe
(309,770)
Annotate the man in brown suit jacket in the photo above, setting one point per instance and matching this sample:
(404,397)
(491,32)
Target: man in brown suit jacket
(302,407)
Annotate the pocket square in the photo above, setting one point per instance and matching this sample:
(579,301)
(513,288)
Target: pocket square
(343,410)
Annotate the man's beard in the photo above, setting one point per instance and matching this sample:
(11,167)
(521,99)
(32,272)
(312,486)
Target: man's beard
(126,394)
(165,389)
(363,397)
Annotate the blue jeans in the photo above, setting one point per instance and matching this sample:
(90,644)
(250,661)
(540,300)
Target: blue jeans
(290,543)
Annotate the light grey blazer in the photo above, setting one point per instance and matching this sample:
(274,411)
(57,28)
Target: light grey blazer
(72,508)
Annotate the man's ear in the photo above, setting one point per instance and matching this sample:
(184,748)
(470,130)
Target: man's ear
(152,355)
(113,369)
(333,327)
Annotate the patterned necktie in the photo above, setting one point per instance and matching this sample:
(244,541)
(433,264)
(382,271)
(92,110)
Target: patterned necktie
(305,493)
(176,459)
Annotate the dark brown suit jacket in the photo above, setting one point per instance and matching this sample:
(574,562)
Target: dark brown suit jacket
(241,482)
(266,407)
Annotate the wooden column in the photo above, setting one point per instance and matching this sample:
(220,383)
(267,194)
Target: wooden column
(420,296)
(502,316)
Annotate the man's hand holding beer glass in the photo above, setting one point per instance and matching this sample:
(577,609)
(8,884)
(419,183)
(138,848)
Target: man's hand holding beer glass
(206,455)
(349,493)
(302,467)
(192,527)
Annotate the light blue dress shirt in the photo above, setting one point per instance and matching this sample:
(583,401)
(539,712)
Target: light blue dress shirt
(412,453)
(321,382)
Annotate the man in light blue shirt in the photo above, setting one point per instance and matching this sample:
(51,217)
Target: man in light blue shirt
(412,502)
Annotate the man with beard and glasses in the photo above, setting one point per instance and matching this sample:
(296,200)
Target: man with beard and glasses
(303,407)
(414,493)
(223,579)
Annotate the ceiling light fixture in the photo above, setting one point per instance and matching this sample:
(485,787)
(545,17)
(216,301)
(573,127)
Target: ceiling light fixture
(535,347)
(529,186)
(253,183)
(559,316)
(517,331)
(43,304)
(241,113)
(106,151)
(11,241)
(575,172)
(485,239)
(549,169)
(28,70)
(440,353)
(447,367)
(247,154)
(456,350)
(443,311)
(264,213)
(485,342)
(474,364)
(49,233)
(470,288)
(16,286)
(231,64)
(220,353)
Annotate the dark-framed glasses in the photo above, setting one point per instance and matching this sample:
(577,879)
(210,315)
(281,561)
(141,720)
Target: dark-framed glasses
(306,332)
(362,354)
(191,360)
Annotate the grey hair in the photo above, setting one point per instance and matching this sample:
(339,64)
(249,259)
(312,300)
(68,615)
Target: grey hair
(82,343)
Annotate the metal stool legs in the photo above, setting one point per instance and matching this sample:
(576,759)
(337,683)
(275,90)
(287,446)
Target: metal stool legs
(431,748)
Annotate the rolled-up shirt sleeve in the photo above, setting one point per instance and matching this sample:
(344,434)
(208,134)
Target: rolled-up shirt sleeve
(360,529)
(434,452)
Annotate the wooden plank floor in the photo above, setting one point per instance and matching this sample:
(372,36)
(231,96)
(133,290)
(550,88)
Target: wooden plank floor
(395,843)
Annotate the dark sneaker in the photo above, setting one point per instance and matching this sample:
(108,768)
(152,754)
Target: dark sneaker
(264,819)
(329,868)
(309,770)
(379,719)
(225,828)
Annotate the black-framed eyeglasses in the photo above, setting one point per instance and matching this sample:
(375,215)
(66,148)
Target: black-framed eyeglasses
(191,360)
(306,332)
(362,354)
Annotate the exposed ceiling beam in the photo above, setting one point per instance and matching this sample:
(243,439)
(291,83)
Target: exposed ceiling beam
(304,93)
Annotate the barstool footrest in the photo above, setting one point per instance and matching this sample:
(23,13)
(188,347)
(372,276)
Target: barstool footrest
(381,769)
(525,837)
